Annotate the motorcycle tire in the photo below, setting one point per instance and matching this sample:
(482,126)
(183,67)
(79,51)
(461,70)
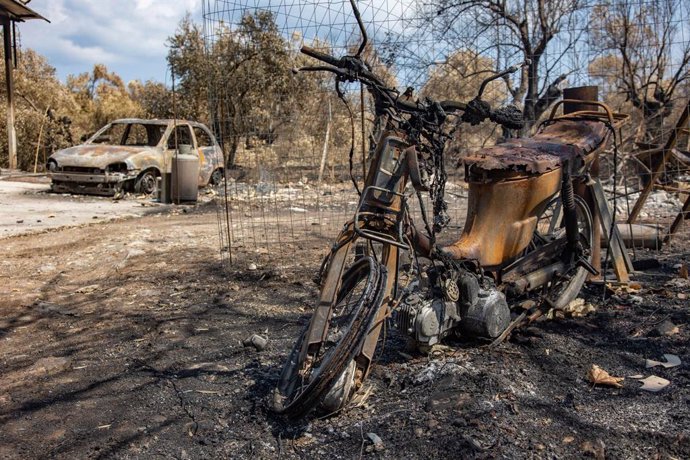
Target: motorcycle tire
(304,383)
(562,291)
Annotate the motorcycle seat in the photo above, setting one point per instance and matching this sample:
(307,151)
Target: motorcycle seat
(564,139)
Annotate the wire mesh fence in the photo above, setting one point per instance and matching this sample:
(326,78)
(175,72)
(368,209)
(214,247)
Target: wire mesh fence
(293,144)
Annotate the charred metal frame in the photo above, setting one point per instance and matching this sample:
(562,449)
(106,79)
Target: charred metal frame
(105,169)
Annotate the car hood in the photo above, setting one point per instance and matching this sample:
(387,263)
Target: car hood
(100,156)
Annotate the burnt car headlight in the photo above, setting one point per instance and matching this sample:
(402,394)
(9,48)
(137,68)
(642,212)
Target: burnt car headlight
(117,168)
(52,166)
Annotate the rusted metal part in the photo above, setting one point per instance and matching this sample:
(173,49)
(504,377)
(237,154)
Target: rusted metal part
(684,214)
(334,271)
(585,191)
(101,168)
(379,213)
(538,278)
(389,258)
(502,216)
(576,98)
(638,235)
(622,264)
(531,262)
(388,170)
(564,140)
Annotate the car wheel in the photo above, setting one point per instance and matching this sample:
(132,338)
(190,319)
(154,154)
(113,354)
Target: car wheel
(217,177)
(147,183)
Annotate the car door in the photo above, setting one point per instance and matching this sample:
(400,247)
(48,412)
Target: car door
(210,157)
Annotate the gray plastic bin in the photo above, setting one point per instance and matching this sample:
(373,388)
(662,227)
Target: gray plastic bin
(185,175)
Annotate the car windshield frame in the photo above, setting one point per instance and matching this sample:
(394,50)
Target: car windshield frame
(163,127)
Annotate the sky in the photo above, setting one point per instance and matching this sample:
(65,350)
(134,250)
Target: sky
(128,36)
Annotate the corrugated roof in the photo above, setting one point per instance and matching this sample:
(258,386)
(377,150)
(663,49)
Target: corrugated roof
(17,11)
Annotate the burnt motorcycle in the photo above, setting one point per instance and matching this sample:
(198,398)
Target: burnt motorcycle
(527,235)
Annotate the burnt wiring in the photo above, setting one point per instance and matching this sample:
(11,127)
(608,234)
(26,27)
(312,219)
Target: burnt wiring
(351,155)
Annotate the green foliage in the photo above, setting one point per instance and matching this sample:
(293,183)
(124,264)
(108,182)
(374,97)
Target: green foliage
(255,96)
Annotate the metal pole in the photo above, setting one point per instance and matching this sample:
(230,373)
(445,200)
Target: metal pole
(324,153)
(364,149)
(11,132)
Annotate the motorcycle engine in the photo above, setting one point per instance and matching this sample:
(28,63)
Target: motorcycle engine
(452,301)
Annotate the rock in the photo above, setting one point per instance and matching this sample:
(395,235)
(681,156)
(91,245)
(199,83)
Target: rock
(448,399)
(435,370)
(664,328)
(50,365)
(681,283)
(87,289)
(252,267)
(378,442)
(255,341)
(636,299)
(595,449)
(149,293)
(135,252)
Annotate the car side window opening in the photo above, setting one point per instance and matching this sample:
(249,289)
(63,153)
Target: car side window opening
(203,138)
(155,133)
(137,135)
(184,136)
(113,135)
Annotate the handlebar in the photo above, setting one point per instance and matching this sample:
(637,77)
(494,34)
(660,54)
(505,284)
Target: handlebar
(351,68)
(328,59)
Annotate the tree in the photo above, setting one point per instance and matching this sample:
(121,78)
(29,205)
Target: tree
(247,70)
(459,78)
(639,60)
(102,96)
(155,99)
(44,112)
(515,31)
(191,70)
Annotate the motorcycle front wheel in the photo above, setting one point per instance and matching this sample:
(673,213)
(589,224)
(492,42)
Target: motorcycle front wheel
(308,376)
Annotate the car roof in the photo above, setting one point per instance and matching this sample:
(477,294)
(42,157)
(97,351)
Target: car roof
(156,121)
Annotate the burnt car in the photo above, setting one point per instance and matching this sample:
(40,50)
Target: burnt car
(130,154)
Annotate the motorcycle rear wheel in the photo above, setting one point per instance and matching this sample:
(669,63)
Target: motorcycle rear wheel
(562,290)
(306,380)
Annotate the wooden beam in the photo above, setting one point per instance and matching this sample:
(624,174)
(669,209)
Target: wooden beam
(622,265)
(668,151)
(682,215)
(11,132)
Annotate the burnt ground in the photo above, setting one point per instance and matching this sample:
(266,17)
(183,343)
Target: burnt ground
(123,340)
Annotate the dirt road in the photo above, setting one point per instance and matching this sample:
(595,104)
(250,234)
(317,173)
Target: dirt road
(27,206)
(123,340)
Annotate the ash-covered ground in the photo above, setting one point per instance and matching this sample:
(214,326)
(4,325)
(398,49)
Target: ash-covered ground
(124,340)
